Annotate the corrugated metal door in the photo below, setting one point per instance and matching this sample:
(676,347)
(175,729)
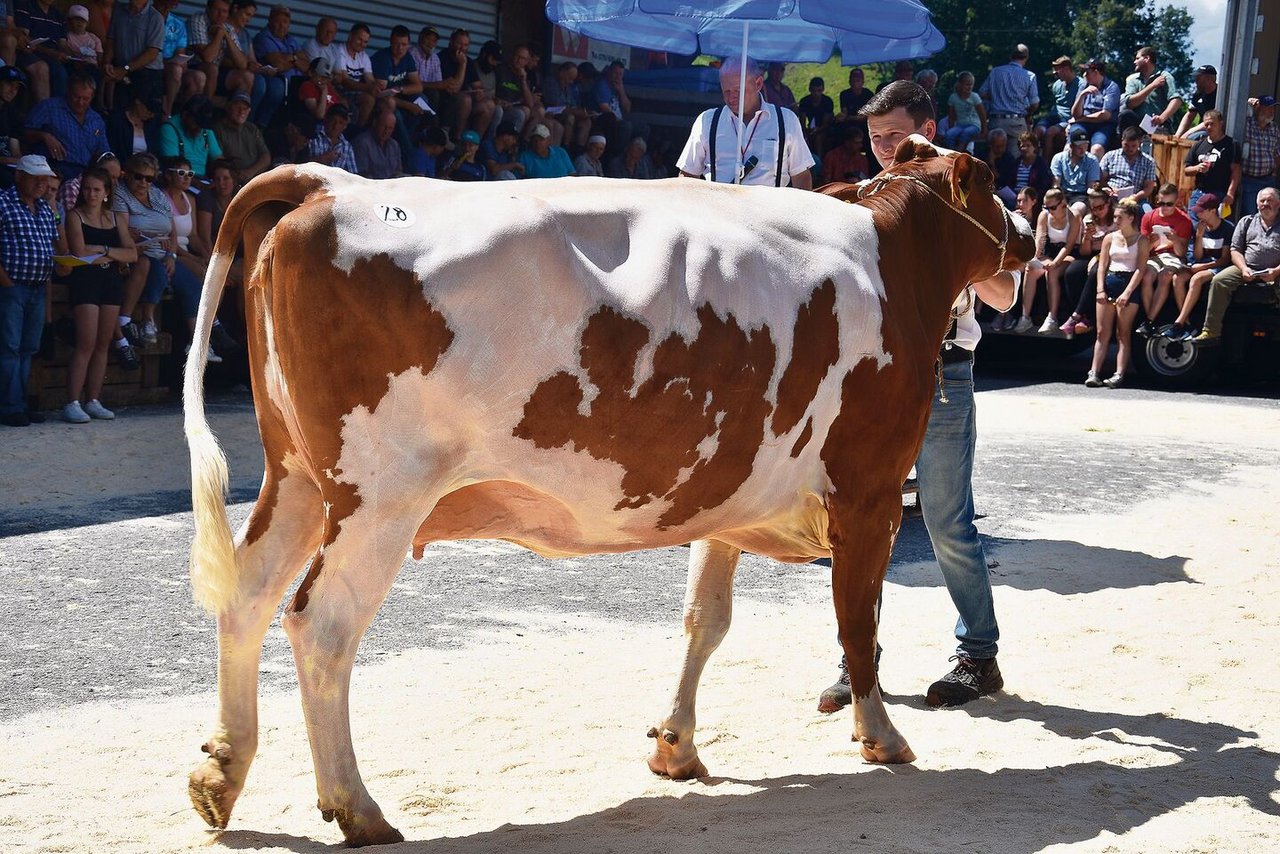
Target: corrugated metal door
(478,16)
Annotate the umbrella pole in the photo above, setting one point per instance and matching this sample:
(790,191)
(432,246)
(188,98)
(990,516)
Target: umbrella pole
(742,96)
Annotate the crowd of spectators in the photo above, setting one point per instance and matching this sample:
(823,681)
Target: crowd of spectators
(178,114)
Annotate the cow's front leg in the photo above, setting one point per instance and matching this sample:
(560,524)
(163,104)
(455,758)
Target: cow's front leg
(265,564)
(346,585)
(862,538)
(708,608)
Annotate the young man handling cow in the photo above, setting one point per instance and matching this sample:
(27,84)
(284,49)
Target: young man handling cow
(944,467)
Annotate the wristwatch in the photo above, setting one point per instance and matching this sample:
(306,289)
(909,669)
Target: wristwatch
(126,68)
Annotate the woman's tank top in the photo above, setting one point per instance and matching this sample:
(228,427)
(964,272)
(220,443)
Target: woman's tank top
(184,222)
(1059,235)
(1124,256)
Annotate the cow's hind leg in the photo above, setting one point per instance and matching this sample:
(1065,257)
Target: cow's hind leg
(862,534)
(271,549)
(347,583)
(708,608)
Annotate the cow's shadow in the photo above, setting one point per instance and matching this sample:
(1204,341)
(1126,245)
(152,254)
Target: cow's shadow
(1058,566)
(905,808)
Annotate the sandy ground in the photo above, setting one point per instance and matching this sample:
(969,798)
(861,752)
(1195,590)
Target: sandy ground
(1141,712)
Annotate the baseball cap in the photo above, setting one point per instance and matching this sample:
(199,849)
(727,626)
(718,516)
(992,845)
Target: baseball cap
(1094,63)
(1205,202)
(429,29)
(1079,136)
(471,136)
(11,74)
(78,12)
(322,66)
(506,129)
(1207,69)
(1062,60)
(34,164)
(542,131)
(240,98)
(1266,101)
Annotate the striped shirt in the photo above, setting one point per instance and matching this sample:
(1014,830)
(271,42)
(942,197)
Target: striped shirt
(428,65)
(1123,173)
(1261,145)
(346,154)
(26,239)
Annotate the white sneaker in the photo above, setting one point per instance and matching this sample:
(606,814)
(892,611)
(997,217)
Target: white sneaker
(1049,326)
(1024,325)
(73,413)
(149,332)
(96,410)
(212,359)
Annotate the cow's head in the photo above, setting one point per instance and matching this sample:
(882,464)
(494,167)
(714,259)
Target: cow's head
(994,238)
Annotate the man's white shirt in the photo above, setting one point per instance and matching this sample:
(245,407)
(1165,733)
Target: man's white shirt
(760,137)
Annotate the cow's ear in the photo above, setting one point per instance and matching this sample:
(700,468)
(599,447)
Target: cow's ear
(914,147)
(968,175)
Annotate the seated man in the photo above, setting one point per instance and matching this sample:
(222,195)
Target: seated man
(377,152)
(501,154)
(563,104)
(427,156)
(132,54)
(1096,108)
(1075,170)
(190,135)
(847,161)
(544,160)
(68,129)
(1199,102)
(1128,170)
(1053,127)
(41,28)
(241,140)
(353,74)
(397,74)
(1149,95)
(329,146)
(589,164)
(466,166)
(1170,231)
(1212,254)
(1255,260)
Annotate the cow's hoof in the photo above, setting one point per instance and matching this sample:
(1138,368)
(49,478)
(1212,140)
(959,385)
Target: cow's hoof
(212,794)
(674,758)
(360,831)
(887,753)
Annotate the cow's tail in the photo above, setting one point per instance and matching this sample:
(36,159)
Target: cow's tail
(214,573)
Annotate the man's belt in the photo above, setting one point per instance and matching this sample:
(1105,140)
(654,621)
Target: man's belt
(1008,115)
(952,354)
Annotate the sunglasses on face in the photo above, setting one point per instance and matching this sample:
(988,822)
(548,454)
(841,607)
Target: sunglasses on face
(138,176)
(1166,204)
(1052,207)
(183,173)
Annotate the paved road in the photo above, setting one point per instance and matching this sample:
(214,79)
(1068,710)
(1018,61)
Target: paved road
(97,604)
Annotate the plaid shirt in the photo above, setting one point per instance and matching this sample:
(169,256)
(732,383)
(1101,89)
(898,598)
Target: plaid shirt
(1263,144)
(1122,173)
(346,154)
(83,140)
(428,66)
(26,239)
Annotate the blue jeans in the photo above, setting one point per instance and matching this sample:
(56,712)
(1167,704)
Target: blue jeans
(21,325)
(186,287)
(268,94)
(958,137)
(1249,189)
(944,470)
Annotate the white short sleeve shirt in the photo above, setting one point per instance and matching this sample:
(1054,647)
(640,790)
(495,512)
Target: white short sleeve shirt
(760,139)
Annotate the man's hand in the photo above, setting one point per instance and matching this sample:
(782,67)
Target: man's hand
(1089,90)
(56,151)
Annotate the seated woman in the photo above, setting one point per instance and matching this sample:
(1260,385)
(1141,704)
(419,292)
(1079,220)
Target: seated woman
(1028,205)
(967,116)
(1120,267)
(1095,225)
(1029,169)
(1057,233)
(97,288)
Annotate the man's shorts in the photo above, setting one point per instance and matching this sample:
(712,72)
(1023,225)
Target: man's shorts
(1165,262)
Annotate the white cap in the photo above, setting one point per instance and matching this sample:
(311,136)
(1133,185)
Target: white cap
(34,164)
(597,139)
(78,12)
(542,131)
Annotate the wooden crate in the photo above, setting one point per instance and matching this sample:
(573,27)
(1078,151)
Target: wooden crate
(1170,155)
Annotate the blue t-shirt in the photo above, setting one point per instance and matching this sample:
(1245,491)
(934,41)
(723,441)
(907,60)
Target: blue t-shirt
(392,72)
(421,163)
(265,42)
(555,165)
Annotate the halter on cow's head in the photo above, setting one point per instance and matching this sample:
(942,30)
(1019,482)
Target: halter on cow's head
(1003,239)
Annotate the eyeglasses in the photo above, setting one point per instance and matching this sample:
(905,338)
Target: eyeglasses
(1166,204)
(138,176)
(1051,207)
(183,173)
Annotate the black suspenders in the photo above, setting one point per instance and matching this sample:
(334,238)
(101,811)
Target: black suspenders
(782,141)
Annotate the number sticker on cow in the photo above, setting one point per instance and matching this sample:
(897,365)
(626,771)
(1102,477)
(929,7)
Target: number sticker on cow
(394,216)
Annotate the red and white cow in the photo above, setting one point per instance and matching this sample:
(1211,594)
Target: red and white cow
(576,366)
